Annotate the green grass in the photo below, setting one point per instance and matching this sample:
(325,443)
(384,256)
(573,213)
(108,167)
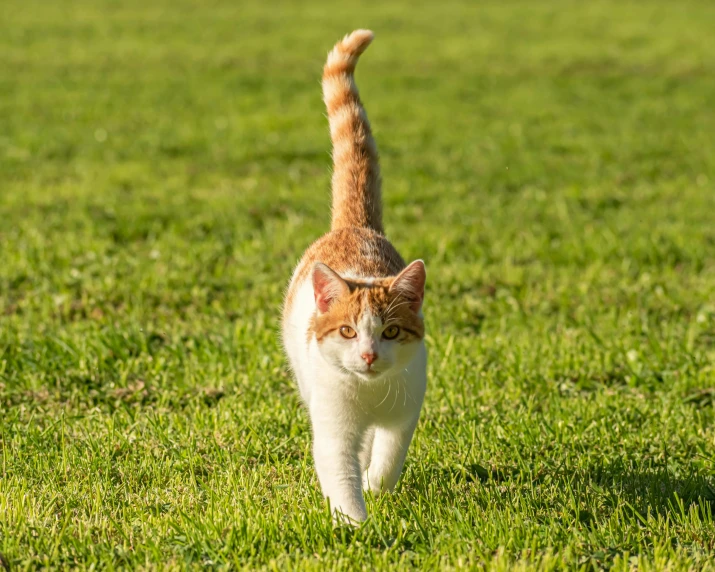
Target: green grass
(164,164)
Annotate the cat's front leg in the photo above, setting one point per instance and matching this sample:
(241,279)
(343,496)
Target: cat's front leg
(336,451)
(389,449)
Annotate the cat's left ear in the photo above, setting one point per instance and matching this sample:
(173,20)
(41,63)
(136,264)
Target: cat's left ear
(327,286)
(410,283)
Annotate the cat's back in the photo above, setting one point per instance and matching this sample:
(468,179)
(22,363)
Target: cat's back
(352,252)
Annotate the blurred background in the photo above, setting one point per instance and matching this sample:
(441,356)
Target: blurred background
(158,135)
(163,165)
(166,156)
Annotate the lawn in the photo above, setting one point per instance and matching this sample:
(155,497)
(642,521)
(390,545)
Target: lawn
(164,164)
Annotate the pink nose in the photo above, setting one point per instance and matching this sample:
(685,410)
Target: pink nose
(369,358)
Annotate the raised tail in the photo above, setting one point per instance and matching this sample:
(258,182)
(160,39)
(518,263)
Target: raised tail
(357,199)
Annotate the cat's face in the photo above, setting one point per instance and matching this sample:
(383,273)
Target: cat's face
(371,329)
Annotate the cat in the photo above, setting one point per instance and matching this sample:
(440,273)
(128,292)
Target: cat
(353,327)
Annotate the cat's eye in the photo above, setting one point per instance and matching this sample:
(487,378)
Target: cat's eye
(391,333)
(347,332)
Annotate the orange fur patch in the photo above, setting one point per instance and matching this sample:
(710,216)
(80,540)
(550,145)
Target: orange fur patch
(375,298)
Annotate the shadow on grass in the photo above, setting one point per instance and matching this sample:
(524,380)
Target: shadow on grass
(641,491)
(655,490)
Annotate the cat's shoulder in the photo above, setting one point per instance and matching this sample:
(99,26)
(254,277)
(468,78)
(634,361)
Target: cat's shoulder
(359,251)
(353,252)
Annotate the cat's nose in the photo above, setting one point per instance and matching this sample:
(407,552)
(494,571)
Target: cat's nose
(369,358)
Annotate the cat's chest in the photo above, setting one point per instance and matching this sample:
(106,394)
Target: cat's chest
(391,401)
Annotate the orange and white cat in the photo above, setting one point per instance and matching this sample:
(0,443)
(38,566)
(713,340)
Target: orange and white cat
(352,320)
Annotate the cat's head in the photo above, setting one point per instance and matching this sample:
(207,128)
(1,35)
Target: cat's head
(370,328)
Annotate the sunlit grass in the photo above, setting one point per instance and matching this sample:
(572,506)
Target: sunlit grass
(163,166)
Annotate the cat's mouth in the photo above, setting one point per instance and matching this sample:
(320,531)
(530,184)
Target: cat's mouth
(368,373)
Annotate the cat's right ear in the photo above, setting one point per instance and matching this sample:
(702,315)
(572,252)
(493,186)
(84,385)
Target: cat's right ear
(327,286)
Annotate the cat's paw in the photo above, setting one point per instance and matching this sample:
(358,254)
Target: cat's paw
(340,519)
(354,520)
(351,512)
(373,484)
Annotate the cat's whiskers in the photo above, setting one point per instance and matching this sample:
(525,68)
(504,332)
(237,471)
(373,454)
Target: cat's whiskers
(389,316)
(389,386)
(397,394)
(394,305)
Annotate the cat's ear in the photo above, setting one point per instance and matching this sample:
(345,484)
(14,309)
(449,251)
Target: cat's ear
(327,286)
(410,283)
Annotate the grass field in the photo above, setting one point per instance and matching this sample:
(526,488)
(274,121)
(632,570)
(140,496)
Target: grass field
(164,164)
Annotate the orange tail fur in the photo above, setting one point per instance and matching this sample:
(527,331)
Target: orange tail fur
(357,199)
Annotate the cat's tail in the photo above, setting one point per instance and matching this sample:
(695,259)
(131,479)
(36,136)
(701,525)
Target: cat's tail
(357,199)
